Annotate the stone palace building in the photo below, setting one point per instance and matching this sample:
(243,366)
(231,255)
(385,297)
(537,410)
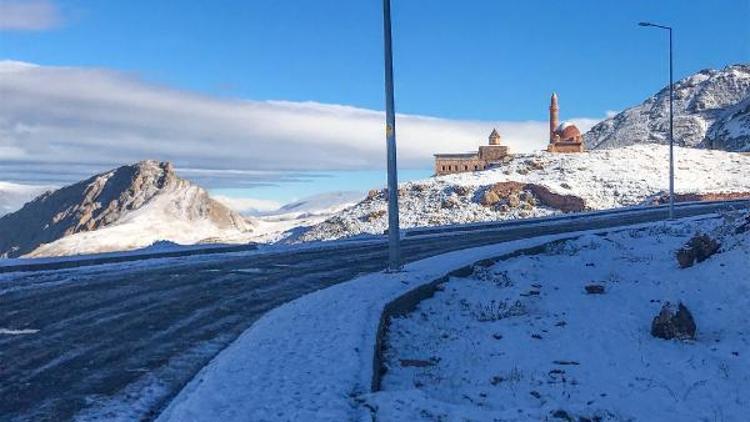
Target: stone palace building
(563,138)
(473,161)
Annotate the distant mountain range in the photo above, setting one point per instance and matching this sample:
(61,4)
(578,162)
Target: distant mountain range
(126,208)
(320,204)
(711,110)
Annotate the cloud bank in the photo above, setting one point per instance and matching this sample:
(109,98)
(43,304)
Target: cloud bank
(58,122)
(28,15)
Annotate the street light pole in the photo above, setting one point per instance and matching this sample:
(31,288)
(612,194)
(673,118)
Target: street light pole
(394,247)
(671,116)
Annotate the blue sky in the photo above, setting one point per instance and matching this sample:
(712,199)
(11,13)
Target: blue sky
(470,59)
(479,60)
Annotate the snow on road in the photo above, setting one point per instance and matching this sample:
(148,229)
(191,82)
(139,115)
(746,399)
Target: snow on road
(523,340)
(17,332)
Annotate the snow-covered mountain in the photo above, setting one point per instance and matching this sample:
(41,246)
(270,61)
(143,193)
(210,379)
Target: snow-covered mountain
(542,184)
(711,110)
(324,203)
(126,208)
(296,217)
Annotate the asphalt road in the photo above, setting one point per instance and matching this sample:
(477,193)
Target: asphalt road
(133,335)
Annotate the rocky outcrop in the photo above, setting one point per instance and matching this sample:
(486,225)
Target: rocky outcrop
(105,199)
(541,194)
(711,110)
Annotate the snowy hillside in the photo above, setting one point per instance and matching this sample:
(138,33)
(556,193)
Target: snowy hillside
(710,109)
(541,184)
(127,208)
(732,131)
(567,335)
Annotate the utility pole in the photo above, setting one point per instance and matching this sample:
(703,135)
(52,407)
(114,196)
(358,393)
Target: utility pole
(394,246)
(671,116)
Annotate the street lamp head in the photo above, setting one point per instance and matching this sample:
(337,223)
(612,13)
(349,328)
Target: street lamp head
(655,25)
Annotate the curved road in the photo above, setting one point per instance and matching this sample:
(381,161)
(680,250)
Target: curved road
(121,340)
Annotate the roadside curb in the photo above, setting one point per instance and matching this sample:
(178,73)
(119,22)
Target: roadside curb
(409,301)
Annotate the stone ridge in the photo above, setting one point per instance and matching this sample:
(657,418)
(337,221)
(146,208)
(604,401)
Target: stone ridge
(103,200)
(706,114)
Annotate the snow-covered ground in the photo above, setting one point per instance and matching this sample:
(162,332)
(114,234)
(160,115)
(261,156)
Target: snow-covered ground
(522,339)
(621,177)
(312,359)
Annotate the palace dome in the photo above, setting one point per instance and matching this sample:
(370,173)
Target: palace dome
(568,131)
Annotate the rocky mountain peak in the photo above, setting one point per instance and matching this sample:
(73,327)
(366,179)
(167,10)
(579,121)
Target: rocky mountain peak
(104,200)
(705,114)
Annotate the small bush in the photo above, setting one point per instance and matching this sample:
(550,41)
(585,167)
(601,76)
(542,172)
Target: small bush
(495,311)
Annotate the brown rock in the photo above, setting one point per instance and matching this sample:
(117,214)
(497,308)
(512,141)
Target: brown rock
(540,194)
(699,248)
(461,190)
(374,193)
(490,198)
(663,198)
(450,203)
(375,215)
(669,325)
(565,203)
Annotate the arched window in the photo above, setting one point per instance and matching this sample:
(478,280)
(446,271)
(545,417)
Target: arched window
(466,168)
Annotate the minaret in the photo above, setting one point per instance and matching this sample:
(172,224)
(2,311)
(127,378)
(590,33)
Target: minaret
(494,137)
(554,118)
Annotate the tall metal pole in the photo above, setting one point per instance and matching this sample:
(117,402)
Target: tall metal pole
(671,117)
(394,247)
(671,131)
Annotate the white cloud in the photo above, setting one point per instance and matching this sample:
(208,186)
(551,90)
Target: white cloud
(247,205)
(28,15)
(67,117)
